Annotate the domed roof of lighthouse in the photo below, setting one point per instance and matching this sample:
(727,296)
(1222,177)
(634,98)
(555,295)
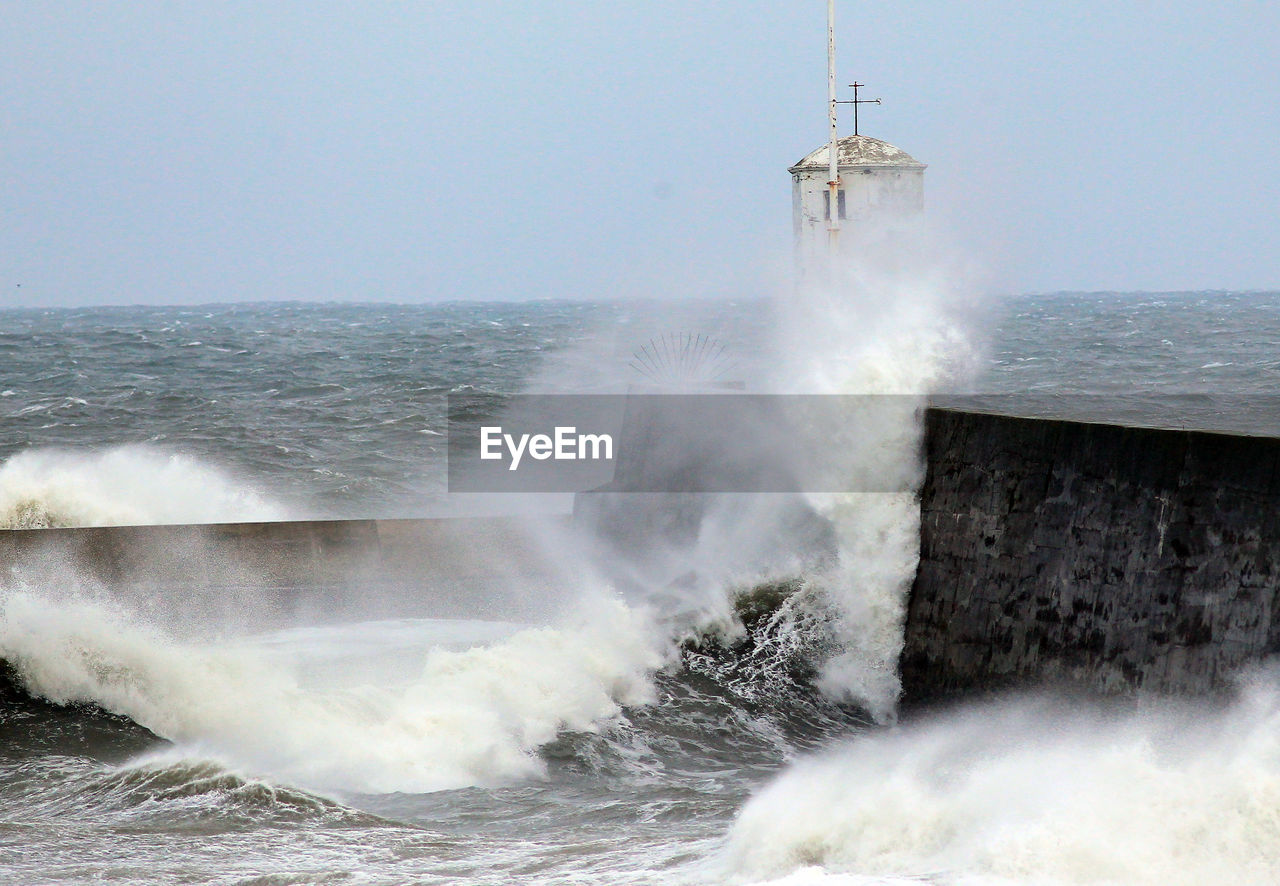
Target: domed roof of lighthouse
(859,150)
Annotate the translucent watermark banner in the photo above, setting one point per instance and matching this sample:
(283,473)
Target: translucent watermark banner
(717,442)
(738,442)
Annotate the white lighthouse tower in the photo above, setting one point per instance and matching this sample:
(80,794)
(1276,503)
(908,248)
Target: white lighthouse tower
(851,186)
(879,186)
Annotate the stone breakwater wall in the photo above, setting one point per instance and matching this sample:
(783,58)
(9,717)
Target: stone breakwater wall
(1113,558)
(1108,557)
(458,567)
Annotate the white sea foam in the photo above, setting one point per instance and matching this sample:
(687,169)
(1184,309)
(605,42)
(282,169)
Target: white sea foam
(125,485)
(455,719)
(1034,791)
(816,876)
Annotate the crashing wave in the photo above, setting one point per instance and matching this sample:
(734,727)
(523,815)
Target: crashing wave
(125,485)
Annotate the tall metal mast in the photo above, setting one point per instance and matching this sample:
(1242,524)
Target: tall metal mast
(833,166)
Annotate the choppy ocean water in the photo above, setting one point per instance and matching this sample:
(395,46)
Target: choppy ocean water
(598,747)
(339,410)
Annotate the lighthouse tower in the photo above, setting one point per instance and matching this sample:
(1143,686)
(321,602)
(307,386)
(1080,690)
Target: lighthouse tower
(879,186)
(850,187)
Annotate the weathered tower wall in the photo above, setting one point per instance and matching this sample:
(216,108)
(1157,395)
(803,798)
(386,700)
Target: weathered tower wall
(870,192)
(881,189)
(875,198)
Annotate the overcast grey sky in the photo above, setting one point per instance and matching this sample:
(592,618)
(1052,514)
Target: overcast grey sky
(177,152)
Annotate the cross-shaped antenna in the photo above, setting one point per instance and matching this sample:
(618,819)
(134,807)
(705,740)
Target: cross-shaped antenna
(858,101)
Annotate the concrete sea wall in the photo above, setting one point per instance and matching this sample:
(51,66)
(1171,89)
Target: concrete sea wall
(459,567)
(1111,557)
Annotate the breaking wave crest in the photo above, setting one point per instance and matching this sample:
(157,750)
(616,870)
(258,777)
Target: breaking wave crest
(126,485)
(460,718)
(166,785)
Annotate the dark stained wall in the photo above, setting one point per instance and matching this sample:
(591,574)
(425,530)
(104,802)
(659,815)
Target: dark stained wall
(1111,557)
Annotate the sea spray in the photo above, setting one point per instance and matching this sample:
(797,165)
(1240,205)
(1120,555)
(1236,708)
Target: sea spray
(1036,789)
(124,485)
(887,321)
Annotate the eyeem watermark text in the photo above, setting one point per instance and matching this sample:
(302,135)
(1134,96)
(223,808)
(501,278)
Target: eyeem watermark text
(563,444)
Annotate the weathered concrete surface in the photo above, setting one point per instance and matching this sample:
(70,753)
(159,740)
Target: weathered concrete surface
(470,567)
(1110,557)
